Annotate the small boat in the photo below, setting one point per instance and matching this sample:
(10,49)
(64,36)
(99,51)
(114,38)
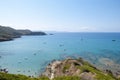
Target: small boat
(51,34)
(113,40)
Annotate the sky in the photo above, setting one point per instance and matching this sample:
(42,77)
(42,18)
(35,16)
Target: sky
(61,15)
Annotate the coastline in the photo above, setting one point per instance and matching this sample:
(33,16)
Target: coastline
(62,47)
(77,69)
(8,33)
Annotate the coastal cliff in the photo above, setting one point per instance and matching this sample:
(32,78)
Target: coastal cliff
(8,33)
(76,68)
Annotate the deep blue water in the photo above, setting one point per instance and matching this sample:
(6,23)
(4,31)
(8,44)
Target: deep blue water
(30,54)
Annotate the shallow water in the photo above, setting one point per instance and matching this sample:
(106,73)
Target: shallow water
(30,54)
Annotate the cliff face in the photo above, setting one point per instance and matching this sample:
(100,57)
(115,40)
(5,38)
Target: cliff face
(76,67)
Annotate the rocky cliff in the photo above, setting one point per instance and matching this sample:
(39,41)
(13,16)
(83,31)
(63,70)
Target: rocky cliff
(76,67)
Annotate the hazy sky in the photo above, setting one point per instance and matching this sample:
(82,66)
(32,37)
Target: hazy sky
(61,15)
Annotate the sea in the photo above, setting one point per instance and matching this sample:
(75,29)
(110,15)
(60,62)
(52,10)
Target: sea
(29,55)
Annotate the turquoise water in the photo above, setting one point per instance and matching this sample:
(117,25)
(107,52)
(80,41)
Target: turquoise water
(30,54)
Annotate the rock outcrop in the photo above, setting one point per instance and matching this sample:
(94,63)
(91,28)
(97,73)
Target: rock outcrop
(75,67)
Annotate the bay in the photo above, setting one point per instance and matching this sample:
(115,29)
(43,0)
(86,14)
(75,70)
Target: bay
(29,55)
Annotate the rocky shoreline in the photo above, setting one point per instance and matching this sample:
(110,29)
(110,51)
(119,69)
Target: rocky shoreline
(76,67)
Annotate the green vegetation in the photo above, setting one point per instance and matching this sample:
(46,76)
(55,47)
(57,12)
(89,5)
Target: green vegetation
(67,66)
(4,76)
(87,67)
(99,74)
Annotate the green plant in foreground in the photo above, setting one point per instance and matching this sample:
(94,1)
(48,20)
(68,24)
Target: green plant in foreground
(99,74)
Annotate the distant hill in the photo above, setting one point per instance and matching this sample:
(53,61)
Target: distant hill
(28,32)
(8,33)
(24,32)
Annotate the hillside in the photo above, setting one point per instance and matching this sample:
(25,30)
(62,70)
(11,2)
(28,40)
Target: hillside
(68,69)
(28,32)
(8,33)
(24,32)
